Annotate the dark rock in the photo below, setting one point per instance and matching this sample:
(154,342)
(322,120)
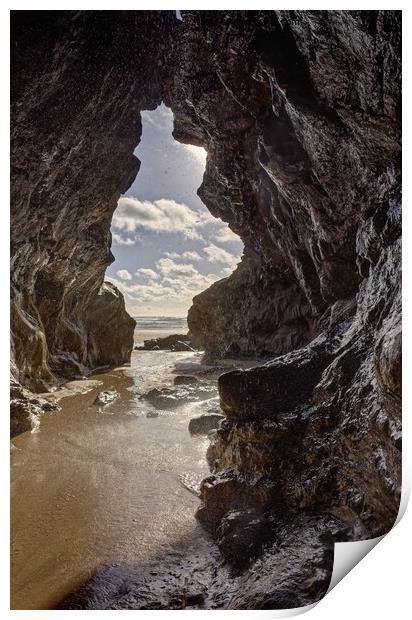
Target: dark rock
(195,599)
(304,166)
(185,380)
(106,398)
(230,491)
(74,126)
(294,571)
(169,398)
(175,342)
(242,535)
(110,328)
(205,423)
(26,410)
(266,314)
(276,387)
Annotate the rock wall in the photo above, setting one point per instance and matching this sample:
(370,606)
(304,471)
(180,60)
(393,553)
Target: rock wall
(300,114)
(252,311)
(79,81)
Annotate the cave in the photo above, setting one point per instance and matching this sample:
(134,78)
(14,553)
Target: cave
(299,112)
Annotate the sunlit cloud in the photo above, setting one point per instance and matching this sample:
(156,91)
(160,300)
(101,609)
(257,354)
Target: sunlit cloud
(119,240)
(225,235)
(167,266)
(188,255)
(173,283)
(123,274)
(163,215)
(219,255)
(149,274)
(165,240)
(197,152)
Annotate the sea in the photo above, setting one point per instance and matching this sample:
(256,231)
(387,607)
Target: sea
(154,323)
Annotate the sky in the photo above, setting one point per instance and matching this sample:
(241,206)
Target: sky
(168,247)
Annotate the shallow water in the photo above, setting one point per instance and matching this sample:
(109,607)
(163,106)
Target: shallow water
(97,486)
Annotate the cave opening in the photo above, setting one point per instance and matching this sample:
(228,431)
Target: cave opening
(167,245)
(299,444)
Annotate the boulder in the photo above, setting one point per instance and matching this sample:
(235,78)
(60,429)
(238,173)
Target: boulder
(174,342)
(107,397)
(204,423)
(185,380)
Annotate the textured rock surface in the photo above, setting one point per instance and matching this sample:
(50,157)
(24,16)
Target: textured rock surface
(79,80)
(174,342)
(266,314)
(300,115)
(204,423)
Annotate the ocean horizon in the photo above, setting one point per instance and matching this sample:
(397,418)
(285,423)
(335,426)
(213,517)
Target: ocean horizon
(144,323)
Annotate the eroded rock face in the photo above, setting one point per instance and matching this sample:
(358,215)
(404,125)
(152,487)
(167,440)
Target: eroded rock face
(267,313)
(109,328)
(203,424)
(299,113)
(79,81)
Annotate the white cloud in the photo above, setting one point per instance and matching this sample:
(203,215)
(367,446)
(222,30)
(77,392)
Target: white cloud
(227,271)
(191,256)
(168,267)
(176,282)
(162,120)
(123,274)
(219,255)
(161,215)
(170,289)
(188,255)
(149,274)
(225,235)
(207,218)
(119,240)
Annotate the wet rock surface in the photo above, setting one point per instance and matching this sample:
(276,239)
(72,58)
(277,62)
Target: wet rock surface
(77,89)
(204,423)
(185,380)
(299,113)
(26,409)
(169,398)
(292,572)
(106,398)
(174,342)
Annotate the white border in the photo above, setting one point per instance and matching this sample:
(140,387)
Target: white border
(379,585)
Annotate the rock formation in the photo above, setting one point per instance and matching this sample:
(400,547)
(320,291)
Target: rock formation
(79,81)
(174,342)
(299,112)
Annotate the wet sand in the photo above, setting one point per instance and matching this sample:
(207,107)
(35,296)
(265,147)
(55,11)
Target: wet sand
(95,487)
